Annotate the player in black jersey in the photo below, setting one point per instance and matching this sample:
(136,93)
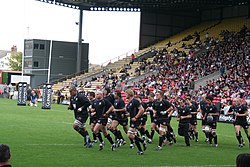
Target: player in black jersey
(162,110)
(183,117)
(102,108)
(193,121)
(119,117)
(231,112)
(135,110)
(149,109)
(241,114)
(93,119)
(107,95)
(143,129)
(202,110)
(211,116)
(79,103)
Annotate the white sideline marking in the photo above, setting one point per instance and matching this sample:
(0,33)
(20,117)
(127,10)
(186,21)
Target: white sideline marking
(55,144)
(65,123)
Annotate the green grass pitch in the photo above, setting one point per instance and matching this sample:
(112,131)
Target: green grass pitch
(40,138)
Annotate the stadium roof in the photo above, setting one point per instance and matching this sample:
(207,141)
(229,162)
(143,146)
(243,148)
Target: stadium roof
(137,5)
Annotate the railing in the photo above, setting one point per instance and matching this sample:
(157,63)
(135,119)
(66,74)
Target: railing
(122,56)
(94,69)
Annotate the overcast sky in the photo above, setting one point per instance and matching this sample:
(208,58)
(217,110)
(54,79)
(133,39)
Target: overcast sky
(110,34)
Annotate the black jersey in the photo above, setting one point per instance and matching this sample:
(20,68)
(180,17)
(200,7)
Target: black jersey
(184,111)
(79,101)
(203,105)
(132,107)
(101,107)
(150,105)
(232,111)
(242,109)
(91,103)
(119,104)
(192,108)
(160,107)
(110,98)
(212,109)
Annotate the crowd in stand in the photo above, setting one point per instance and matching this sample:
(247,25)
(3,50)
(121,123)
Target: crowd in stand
(176,72)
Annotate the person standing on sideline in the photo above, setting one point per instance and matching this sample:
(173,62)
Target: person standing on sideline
(79,103)
(4,155)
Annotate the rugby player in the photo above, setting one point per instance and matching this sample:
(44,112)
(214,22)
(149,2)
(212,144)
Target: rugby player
(102,108)
(79,103)
(135,110)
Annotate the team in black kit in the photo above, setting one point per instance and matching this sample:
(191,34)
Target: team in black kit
(107,110)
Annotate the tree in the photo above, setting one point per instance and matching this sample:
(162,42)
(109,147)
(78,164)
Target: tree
(15,61)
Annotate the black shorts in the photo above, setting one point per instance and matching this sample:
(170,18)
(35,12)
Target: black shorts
(169,119)
(244,125)
(212,125)
(82,119)
(152,116)
(144,120)
(203,122)
(193,122)
(123,122)
(163,121)
(156,122)
(135,124)
(102,121)
(92,120)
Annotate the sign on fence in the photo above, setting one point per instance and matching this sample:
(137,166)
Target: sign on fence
(22,94)
(46,99)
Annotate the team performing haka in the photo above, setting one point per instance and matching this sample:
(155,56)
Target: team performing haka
(107,110)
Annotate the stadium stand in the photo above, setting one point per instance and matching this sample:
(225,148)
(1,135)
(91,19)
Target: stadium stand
(180,65)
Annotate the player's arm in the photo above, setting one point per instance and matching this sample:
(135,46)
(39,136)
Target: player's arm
(120,110)
(170,111)
(70,107)
(185,117)
(140,112)
(242,115)
(84,101)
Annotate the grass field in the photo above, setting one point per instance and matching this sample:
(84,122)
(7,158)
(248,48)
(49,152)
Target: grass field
(40,138)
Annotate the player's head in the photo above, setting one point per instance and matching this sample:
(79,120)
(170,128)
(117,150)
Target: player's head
(129,93)
(159,95)
(106,91)
(151,96)
(209,99)
(99,95)
(181,101)
(72,91)
(118,94)
(4,153)
(243,160)
(91,95)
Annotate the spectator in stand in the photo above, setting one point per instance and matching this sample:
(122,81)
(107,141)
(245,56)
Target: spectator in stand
(132,58)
